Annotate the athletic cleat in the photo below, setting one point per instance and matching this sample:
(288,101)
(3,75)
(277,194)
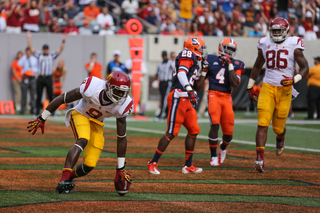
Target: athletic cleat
(259,166)
(279,146)
(214,161)
(222,154)
(153,168)
(191,169)
(65,186)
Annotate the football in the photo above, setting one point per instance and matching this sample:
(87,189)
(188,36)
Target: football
(122,186)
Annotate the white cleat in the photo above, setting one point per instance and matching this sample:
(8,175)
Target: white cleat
(222,154)
(191,169)
(214,161)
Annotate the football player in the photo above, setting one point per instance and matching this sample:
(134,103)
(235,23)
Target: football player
(224,73)
(279,52)
(98,100)
(181,102)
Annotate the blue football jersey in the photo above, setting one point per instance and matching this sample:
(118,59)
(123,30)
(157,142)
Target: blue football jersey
(218,73)
(180,64)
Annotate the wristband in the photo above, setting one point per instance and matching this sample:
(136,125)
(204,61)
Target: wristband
(63,41)
(250,83)
(203,74)
(121,161)
(188,88)
(231,67)
(297,78)
(45,114)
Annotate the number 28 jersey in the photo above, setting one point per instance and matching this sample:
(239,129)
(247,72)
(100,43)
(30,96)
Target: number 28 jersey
(279,58)
(186,62)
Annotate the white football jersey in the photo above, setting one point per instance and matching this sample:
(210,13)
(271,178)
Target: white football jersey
(92,104)
(279,58)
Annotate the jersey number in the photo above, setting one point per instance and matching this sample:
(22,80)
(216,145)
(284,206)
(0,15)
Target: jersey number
(274,59)
(220,75)
(186,53)
(94,113)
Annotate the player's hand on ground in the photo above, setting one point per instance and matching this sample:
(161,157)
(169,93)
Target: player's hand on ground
(225,59)
(253,93)
(287,81)
(193,97)
(122,174)
(35,124)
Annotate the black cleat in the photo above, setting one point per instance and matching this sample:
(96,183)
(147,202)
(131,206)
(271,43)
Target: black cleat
(65,186)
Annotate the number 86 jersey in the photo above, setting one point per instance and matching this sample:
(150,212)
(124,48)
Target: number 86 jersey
(279,58)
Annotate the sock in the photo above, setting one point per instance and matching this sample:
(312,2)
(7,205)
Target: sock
(224,145)
(156,156)
(188,158)
(260,153)
(66,172)
(213,150)
(73,174)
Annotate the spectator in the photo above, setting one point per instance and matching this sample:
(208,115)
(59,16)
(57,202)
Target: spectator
(106,30)
(251,16)
(226,7)
(104,18)
(263,26)
(195,30)
(293,23)
(143,11)
(44,17)
(46,60)
(83,4)
(307,22)
(282,8)
(266,8)
(295,7)
(237,15)
(29,65)
(169,25)
(91,11)
(59,72)
(152,18)
(178,31)
(238,31)
(314,89)
(31,21)
(16,81)
(116,64)
(55,26)
(164,75)
(93,67)
(185,14)
(129,8)
(58,8)
(70,28)
(256,32)
(85,30)
(70,11)
(123,29)
(14,12)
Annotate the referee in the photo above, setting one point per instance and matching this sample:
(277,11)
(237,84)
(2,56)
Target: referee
(45,68)
(164,75)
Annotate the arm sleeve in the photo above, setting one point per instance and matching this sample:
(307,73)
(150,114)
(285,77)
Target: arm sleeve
(183,78)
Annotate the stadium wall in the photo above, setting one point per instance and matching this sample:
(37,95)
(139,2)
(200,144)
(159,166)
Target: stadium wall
(78,49)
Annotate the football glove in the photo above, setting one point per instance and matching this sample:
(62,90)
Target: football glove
(225,59)
(205,67)
(123,175)
(253,93)
(287,81)
(37,123)
(193,97)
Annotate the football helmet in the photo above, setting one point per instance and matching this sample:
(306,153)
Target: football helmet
(279,29)
(197,46)
(228,47)
(117,86)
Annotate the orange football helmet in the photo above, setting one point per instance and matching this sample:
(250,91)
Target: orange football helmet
(196,45)
(228,47)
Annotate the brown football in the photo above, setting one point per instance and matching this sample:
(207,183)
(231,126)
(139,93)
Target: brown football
(122,187)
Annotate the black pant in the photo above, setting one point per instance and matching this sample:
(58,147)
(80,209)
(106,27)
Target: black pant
(44,81)
(313,100)
(164,87)
(27,83)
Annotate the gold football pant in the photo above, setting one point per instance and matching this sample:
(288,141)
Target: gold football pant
(274,103)
(91,130)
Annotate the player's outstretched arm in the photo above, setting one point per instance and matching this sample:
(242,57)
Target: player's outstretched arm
(66,97)
(122,139)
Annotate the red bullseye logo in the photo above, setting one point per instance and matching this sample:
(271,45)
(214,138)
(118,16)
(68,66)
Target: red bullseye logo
(134,27)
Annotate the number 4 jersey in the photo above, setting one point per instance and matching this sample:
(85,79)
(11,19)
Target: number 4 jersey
(218,73)
(279,58)
(92,104)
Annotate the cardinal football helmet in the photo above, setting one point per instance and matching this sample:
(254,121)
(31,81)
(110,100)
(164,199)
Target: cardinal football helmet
(228,47)
(117,86)
(197,46)
(279,29)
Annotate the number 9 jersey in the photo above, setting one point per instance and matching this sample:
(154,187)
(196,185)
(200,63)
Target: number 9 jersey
(279,58)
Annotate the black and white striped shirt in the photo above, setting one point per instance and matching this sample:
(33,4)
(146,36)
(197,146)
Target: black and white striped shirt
(45,62)
(165,70)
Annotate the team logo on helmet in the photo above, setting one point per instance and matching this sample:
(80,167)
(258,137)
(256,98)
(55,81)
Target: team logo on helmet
(228,47)
(196,45)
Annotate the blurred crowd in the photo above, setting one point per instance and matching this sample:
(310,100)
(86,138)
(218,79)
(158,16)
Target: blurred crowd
(166,17)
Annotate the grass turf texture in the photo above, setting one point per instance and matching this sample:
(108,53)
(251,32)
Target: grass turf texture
(30,169)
